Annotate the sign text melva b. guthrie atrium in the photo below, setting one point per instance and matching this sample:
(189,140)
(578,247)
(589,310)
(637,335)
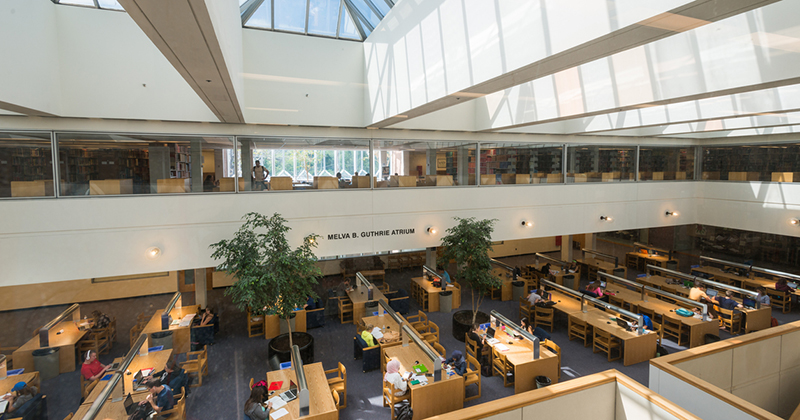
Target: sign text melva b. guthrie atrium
(369,234)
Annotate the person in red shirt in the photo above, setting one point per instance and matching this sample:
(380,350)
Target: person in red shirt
(92,368)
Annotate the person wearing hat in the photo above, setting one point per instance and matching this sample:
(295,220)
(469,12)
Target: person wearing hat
(21,393)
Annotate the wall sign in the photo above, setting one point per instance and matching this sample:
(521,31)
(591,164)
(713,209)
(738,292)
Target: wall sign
(369,234)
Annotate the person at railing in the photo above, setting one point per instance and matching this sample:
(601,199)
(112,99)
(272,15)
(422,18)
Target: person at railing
(259,177)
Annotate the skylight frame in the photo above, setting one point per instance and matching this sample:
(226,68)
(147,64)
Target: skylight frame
(95,5)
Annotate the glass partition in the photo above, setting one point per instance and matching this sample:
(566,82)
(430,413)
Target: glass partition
(114,164)
(411,163)
(280,164)
(666,163)
(775,162)
(590,163)
(26,165)
(520,163)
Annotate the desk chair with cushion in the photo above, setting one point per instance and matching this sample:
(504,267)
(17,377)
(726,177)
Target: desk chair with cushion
(606,343)
(501,366)
(730,319)
(345,310)
(255,324)
(315,318)
(390,399)
(338,384)
(544,316)
(35,409)
(196,364)
(525,308)
(472,377)
(371,356)
(579,329)
(400,302)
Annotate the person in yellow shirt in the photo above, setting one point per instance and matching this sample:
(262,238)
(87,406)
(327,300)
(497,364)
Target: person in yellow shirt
(366,335)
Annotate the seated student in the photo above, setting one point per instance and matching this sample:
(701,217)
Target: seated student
(311,304)
(256,407)
(172,375)
(648,323)
(783,286)
(92,368)
(457,362)
(366,335)
(573,267)
(727,302)
(545,269)
(393,377)
(160,397)
(595,288)
(698,294)
(442,272)
(207,317)
(537,331)
(480,342)
(762,297)
(20,394)
(536,296)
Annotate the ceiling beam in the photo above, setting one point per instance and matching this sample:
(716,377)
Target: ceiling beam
(8,106)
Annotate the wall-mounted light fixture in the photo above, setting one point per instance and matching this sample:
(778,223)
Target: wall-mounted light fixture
(311,240)
(527,223)
(153,252)
(794,221)
(606,218)
(431,230)
(672,213)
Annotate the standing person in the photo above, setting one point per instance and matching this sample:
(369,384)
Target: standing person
(160,397)
(20,394)
(260,175)
(92,368)
(256,407)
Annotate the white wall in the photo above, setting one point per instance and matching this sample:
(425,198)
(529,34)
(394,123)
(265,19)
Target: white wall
(227,23)
(29,75)
(302,80)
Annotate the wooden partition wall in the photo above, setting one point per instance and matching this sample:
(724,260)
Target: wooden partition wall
(755,376)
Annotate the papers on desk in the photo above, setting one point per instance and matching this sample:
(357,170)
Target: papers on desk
(419,379)
(376,333)
(3,405)
(492,341)
(175,322)
(450,285)
(501,347)
(278,414)
(277,402)
(187,320)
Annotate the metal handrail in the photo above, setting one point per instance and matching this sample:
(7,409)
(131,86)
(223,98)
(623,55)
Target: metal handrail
(532,338)
(703,307)
(584,298)
(711,282)
(172,302)
(616,259)
(501,264)
(776,273)
(363,280)
(94,410)
(724,262)
(426,269)
(302,383)
(44,332)
(392,313)
(423,345)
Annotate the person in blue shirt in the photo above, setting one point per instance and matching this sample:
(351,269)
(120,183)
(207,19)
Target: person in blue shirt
(457,362)
(648,323)
(310,304)
(445,276)
(160,397)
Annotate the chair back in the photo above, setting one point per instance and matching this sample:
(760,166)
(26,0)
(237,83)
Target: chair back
(336,399)
(544,313)
(439,349)
(471,346)
(649,312)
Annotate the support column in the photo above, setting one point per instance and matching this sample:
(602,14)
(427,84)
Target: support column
(591,241)
(566,248)
(200,287)
(430,257)
(247,163)
(462,166)
(644,236)
(196,171)
(430,159)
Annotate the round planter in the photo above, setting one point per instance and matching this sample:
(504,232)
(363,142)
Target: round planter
(462,323)
(279,348)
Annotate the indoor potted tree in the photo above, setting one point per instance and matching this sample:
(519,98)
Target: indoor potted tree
(468,243)
(270,275)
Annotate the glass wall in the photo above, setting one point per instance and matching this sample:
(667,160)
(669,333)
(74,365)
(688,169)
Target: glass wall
(411,163)
(776,162)
(26,165)
(590,163)
(279,164)
(110,164)
(666,163)
(520,163)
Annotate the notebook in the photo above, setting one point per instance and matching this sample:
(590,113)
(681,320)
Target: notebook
(3,406)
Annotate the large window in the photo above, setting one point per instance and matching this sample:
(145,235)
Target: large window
(775,162)
(666,163)
(26,165)
(410,163)
(503,163)
(296,164)
(109,164)
(591,163)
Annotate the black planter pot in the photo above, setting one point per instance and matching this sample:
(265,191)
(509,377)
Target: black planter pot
(462,323)
(280,352)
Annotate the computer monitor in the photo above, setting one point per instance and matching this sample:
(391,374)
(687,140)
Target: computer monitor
(623,323)
(546,295)
(603,284)
(792,284)
(750,303)
(711,292)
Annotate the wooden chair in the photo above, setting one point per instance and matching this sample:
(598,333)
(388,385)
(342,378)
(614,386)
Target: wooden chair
(496,292)
(385,357)
(345,309)
(112,331)
(525,309)
(431,334)
(555,348)
(419,321)
(606,343)
(439,349)
(338,384)
(136,330)
(390,399)
(616,301)
(252,381)
(471,346)
(578,328)
(196,364)
(95,340)
(730,319)
(544,317)
(9,353)
(255,324)
(87,386)
(658,329)
(649,312)
(675,329)
(69,416)
(780,300)
(472,377)
(178,411)
(336,400)
(500,365)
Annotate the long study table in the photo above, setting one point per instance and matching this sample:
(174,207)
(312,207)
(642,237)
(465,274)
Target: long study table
(739,281)
(31,378)
(321,404)
(593,265)
(556,275)
(424,292)
(358,295)
(636,348)
(640,260)
(64,336)
(526,369)
(181,336)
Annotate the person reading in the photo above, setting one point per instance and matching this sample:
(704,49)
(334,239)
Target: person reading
(394,377)
(457,362)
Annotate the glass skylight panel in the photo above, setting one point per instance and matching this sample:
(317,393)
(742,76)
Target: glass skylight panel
(262,17)
(290,15)
(323,17)
(110,4)
(89,3)
(367,12)
(347,29)
(381,6)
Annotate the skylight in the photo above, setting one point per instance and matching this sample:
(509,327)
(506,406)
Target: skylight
(97,4)
(342,19)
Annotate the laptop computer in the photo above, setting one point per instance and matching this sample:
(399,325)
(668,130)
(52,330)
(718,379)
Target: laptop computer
(750,303)
(711,292)
(490,332)
(624,324)
(792,284)
(114,366)
(138,382)
(130,407)
(603,284)
(290,394)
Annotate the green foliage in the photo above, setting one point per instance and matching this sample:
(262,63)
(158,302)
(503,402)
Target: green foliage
(269,272)
(469,243)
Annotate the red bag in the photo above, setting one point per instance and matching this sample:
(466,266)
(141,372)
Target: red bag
(774,322)
(260,383)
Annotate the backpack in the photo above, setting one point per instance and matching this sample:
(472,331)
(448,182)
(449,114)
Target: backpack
(774,322)
(402,411)
(260,383)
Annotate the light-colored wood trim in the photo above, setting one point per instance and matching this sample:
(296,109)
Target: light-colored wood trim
(654,397)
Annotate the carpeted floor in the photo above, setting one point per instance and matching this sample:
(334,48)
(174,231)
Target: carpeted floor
(235,358)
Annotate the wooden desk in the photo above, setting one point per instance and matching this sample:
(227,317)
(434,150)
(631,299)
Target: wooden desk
(110,410)
(385,323)
(374,274)
(320,399)
(505,277)
(639,260)
(556,275)
(526,369)
(273,323)
(359,298)
(66,341)
(593,265)
(181,336)
(426,287)
(31,378)
(440,395)
(156,360)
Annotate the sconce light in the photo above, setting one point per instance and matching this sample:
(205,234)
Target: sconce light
(311,240)
(606,218)
(672,213)
(153,252)
(431,230)
(794,221)
(527,223)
